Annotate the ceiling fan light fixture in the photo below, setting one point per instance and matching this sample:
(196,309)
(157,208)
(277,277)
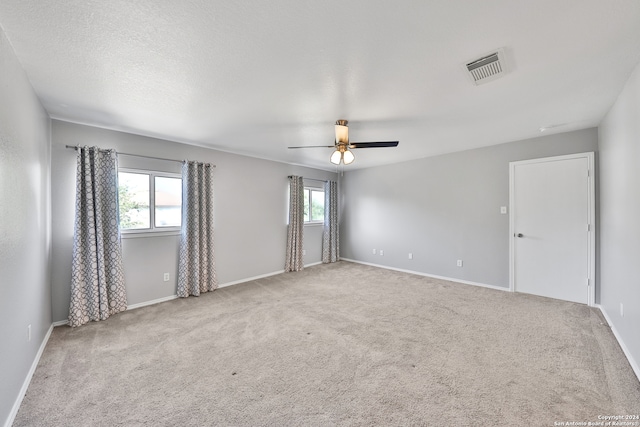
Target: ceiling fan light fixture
(336,157)
(348,157)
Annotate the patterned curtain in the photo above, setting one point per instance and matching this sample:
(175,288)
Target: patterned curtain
(196,266)
(296,221)
(330,235)
(97,279)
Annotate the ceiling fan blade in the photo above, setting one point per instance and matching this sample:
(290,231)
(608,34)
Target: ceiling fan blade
(315,146)
(373,144)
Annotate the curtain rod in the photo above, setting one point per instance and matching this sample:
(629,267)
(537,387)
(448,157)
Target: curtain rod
(311,179)
(75,147)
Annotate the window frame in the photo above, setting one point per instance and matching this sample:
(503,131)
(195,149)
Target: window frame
(312,189)
(152,231)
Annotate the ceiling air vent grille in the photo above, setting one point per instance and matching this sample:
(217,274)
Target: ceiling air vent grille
(487,68)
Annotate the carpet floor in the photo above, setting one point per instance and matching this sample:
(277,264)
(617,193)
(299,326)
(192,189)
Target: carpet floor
(337,344)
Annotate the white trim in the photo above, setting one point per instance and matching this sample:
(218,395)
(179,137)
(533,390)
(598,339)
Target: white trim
(312,264)
(591,243)
(512,255)
(153,172)
(625,350)
(129,307)
(592,229)
(131,234)
(419,273)
(155,301)
(248,279)
(27,380)
(262,276)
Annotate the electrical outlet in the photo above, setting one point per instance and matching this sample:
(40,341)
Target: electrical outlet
(381,252)
(374,251)
(621,310)
(459,263)
(410,255)
(29,333)
(304,252)
(166,277)
(503,210)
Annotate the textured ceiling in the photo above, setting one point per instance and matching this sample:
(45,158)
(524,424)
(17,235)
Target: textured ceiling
(253,77)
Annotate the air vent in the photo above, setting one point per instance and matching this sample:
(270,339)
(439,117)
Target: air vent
(487,68)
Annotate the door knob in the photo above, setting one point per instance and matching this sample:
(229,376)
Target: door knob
(520,235)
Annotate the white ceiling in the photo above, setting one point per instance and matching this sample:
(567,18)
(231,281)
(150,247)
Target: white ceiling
(253,77)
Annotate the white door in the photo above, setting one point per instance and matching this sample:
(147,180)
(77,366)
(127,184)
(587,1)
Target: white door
(551,233)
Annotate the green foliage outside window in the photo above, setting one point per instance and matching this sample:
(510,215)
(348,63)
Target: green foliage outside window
(128,206)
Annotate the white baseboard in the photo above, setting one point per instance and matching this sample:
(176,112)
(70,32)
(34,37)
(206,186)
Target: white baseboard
(419,273)
(625,350)
(248,279)
(223,285)
(27,380)
(129,307)
(155,301)
(262,276)
(312,264)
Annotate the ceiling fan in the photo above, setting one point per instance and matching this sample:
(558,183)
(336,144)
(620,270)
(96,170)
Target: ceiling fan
(342,145)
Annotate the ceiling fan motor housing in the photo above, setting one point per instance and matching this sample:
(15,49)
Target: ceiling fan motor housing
(342,132)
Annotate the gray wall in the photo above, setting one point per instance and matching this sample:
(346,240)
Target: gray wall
(619,144)
(250,214)
(25,227)
(443,209)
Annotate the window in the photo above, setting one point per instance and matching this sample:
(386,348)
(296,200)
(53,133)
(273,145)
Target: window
(168,201)
(149,201)
(313,205)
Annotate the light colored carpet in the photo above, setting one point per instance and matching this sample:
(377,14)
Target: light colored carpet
(339,344)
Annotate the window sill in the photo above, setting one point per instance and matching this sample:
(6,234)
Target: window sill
(313,224)
(135,235)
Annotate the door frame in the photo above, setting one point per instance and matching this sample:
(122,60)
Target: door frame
(591,239)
